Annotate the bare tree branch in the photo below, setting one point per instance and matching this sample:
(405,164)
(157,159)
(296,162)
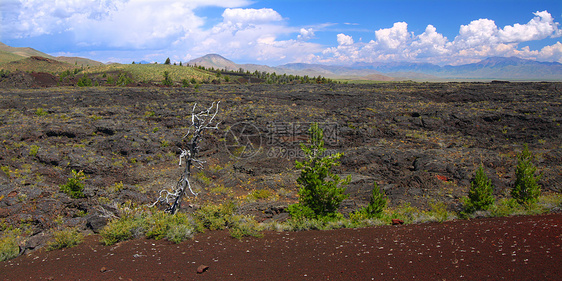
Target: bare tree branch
(201,121)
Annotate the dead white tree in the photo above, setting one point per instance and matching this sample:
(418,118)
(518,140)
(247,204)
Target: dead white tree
(200,121)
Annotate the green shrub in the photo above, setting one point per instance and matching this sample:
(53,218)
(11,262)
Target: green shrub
(33,150)
(179,233)
(480,196)
(526,189)
(551,201)
(376,205)
(215,217)
(300,212)
(260,194)
(406,212)
(176,228)
(41,112)
(74,187)
(167,80)
(9,248)
(84,81)
(65,238)
(304,223)
(124,228)
(438,211)
(110,80)
(506,207)
(124,80)
(320,190)
(245,226)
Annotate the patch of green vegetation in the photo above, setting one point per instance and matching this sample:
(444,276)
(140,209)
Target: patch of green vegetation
(244,226)
(164,143)
(375,208)
(200,176)
(180,226)
(220,189)
(74,186)
(33,150)
(41,112)
(261,194)
(125,228)
(216,217)
(84,81)
(65,238)
(176,228)
(9,244)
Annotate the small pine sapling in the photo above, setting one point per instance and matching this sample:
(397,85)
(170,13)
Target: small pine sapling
(480,195)
(526,189)
(321,191)
(74,187)
(377,204)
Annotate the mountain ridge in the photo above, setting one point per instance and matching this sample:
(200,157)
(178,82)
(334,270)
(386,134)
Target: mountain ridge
(509,68)
(491,68)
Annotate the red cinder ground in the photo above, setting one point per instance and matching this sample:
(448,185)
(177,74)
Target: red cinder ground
(513,248)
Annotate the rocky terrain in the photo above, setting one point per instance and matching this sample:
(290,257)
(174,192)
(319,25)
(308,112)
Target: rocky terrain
(420,142)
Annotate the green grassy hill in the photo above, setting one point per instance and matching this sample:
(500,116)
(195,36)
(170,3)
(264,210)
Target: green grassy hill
(79,62)
(23,52)
(6,57)
(153,72)
(37,64)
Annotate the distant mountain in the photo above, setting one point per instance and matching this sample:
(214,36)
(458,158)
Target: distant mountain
(388,67)
(506,68)
(329,70)
(312,70)
(510,68)
(214,61)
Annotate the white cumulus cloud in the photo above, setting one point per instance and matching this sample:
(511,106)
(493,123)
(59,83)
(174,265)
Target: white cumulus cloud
(395,37)
(239,15)
(476,40)
(344,39)
(540,27)
(112,23)
(306,34)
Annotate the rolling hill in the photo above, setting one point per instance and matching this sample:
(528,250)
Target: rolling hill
(37,64)
(23,52)
(10,54)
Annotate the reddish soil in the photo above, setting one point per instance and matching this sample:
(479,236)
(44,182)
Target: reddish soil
(514,248)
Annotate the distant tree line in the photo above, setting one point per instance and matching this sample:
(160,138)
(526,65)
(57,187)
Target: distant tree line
(269,78)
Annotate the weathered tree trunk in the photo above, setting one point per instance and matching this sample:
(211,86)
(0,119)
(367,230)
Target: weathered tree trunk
(199,123)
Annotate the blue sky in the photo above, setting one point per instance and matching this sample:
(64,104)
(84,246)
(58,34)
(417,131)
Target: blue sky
(274,32)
